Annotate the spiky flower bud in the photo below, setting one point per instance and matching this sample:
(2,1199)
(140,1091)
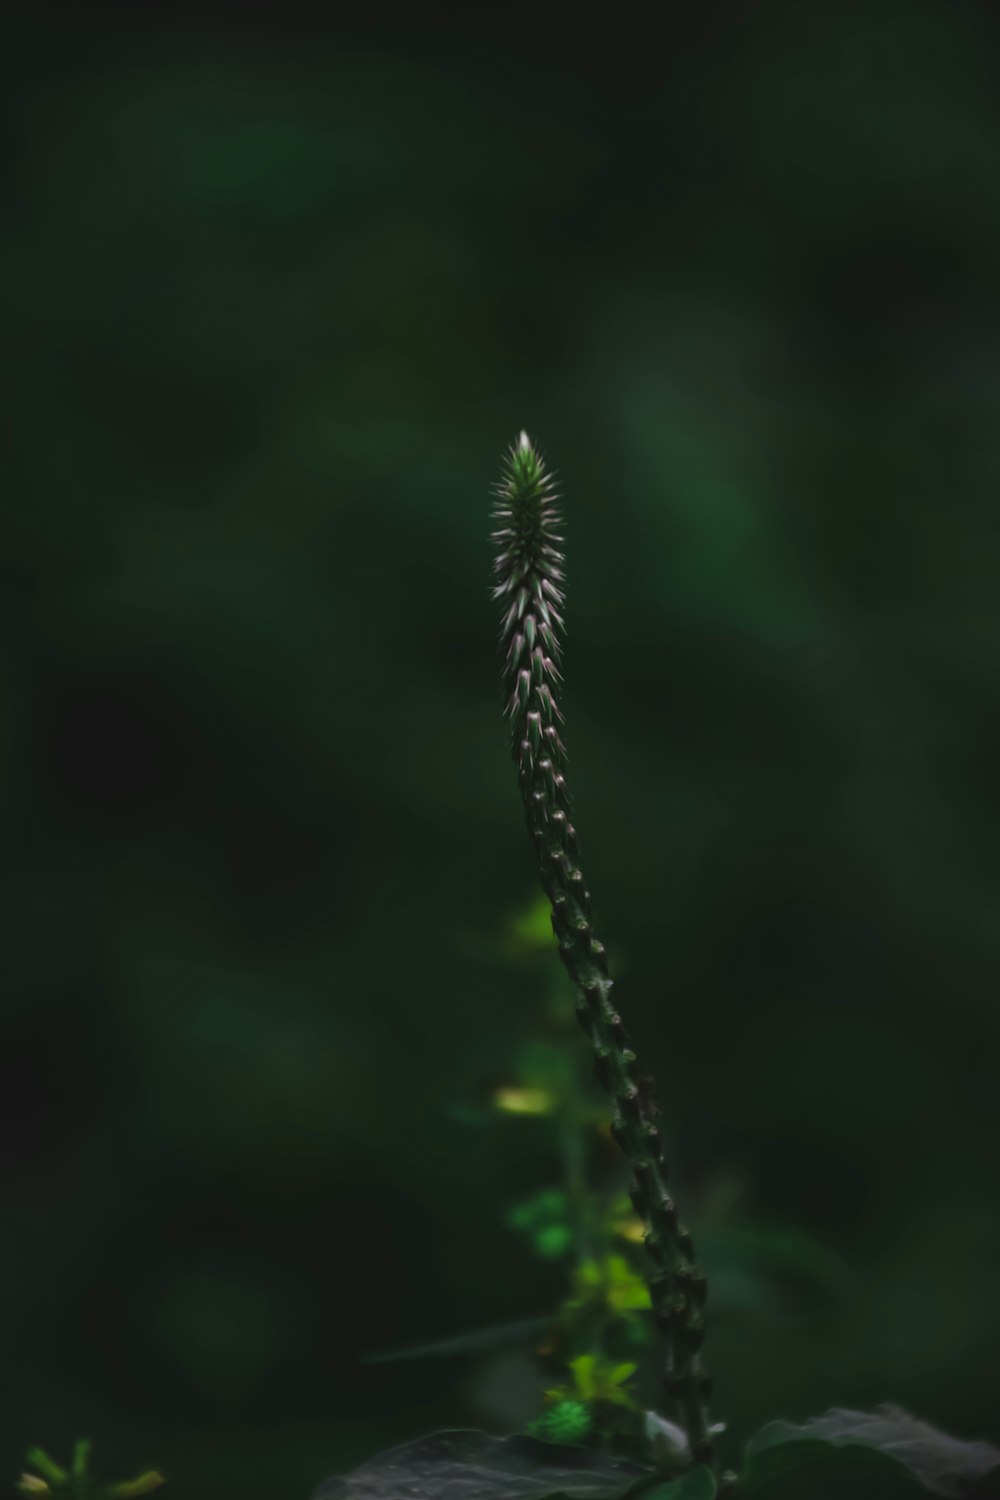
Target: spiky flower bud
(529,573)
(529,577)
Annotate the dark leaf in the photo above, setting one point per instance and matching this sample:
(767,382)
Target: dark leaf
(697,1484)
(817,1470)
(467,1465)
(895,1451)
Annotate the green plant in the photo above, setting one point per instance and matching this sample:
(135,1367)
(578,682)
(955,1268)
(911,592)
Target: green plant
(529,569)
(884,1454)
(582,1219)
(594,1438)
(76,1482)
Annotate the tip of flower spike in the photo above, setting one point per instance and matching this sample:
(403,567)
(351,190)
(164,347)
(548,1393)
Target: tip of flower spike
(523,442)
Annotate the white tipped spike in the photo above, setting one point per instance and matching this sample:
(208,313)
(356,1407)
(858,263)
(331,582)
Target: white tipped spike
(523,442)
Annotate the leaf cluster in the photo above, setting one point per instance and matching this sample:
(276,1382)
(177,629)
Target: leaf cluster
(881,1455)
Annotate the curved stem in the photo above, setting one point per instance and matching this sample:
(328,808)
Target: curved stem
(529,575)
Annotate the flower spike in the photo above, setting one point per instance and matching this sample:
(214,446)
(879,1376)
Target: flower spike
(528,583)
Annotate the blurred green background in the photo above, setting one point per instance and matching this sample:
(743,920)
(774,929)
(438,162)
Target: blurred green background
(278,290)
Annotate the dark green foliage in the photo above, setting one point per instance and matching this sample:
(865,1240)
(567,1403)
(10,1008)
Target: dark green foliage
(529,577)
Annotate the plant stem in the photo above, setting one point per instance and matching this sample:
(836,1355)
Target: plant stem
(529,576)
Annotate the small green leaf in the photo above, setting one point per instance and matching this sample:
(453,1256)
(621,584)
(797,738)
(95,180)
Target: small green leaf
(520,1101)
(131,1489)
(594,1380)
(554,1241)
(81,1455)
(47,1467)
(610,1282)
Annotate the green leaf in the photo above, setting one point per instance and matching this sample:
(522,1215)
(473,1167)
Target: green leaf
(131,1489)
(817,1470)
(611,1282)
(467,1465)
(46,1466)
(81,1455)
(697,1484)
(553,1242)
(887,1451)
